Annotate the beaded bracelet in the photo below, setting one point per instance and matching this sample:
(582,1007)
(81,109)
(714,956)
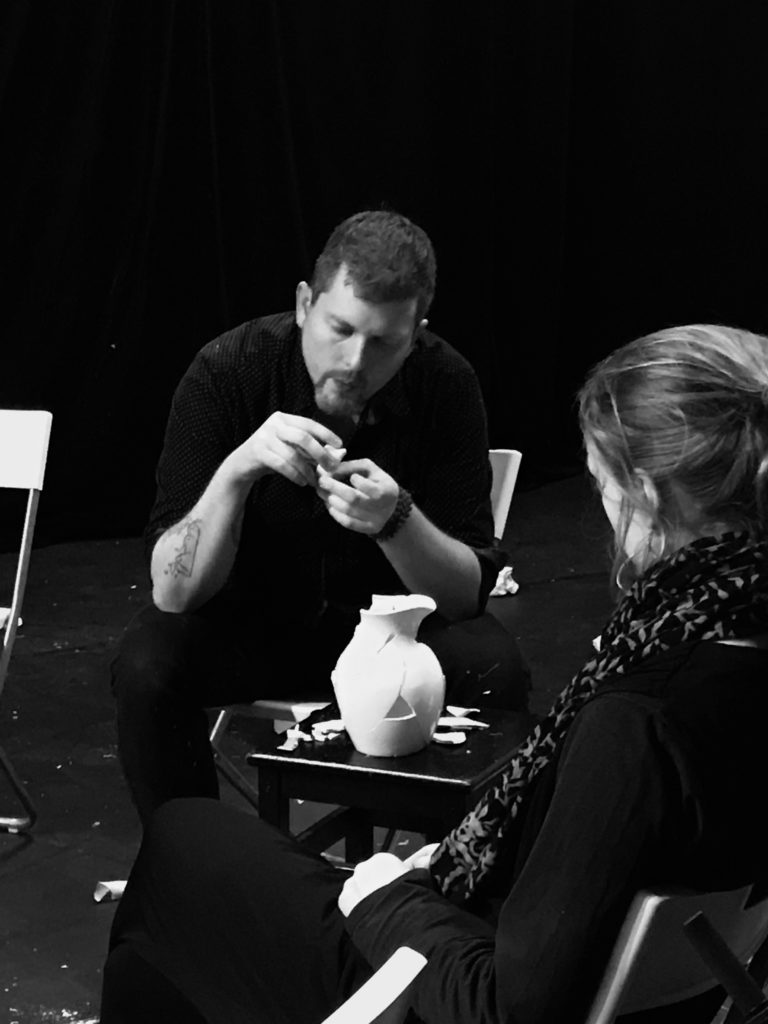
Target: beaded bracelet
(399,515)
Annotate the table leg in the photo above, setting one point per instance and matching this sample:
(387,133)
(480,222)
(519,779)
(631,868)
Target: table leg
(358,841)
(274,807)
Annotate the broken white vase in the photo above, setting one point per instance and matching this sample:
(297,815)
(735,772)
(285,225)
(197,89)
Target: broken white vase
(389,687)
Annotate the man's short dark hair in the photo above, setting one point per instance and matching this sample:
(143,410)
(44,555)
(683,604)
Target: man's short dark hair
(388,259)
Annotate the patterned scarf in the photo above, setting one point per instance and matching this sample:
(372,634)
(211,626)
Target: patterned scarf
(711,589)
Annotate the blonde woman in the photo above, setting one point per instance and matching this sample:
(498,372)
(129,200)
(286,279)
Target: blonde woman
(649,769)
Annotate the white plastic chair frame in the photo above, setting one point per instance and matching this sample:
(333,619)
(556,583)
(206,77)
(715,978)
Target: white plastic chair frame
(505,465)
(655,961)
(383,999)
(672,946)
(24,437)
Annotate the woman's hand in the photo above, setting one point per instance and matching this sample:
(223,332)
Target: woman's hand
(421,858)
(368,876)
(378,871)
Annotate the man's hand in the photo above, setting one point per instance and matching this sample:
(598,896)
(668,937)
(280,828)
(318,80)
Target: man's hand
(368,876)
(359,495)
(188,570)
(292,446)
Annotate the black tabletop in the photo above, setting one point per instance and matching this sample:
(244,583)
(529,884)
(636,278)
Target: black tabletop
(483,755)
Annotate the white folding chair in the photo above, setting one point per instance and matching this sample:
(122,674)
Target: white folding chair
(505,463)
(672,946)
(24,437)
(657,962)
(383,999)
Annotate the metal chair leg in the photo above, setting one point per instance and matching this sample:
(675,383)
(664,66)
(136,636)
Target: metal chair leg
(235,778)
(736,979)
(389,839)
(224,765)
(14,824)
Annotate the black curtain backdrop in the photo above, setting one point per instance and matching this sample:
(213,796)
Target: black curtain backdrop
(587,171)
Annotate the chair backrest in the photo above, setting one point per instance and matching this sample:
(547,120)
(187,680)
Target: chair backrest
(24,437)
(505,463)
(655,964)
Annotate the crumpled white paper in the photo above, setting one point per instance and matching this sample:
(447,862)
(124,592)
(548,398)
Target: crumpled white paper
(450,738)
(321,731)
(451,727)
(107,892)
(505,583)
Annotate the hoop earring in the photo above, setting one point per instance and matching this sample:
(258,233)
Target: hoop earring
(620,585)
(663,549)
(654,552)
(651,558)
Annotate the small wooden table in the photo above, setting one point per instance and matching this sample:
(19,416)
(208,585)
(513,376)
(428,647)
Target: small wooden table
(427,792)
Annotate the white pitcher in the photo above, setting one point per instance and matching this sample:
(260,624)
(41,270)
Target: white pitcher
(389,687)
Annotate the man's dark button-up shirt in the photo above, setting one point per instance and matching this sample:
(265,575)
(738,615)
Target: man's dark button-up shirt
(426,428)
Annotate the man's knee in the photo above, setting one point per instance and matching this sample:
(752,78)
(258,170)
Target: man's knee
(151,656)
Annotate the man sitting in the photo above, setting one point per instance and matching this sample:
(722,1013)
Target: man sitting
(312,459)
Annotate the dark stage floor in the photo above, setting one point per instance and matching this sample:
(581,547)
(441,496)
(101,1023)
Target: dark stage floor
(56,723)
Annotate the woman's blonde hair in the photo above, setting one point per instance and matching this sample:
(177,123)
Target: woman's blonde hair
(687,407)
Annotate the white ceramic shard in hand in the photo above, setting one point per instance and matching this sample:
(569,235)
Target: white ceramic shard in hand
(389,687)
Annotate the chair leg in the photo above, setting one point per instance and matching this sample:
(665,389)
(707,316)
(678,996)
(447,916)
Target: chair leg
(225,767)
(389,839)
(747,995)
(219,727)
(17,824)
(235,778)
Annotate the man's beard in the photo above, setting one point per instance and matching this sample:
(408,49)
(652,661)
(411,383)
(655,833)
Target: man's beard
(340,396)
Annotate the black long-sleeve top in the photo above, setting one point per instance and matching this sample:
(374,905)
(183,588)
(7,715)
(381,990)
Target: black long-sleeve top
(660,781)
(426,428)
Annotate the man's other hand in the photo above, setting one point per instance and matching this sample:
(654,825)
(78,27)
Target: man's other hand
(359,495)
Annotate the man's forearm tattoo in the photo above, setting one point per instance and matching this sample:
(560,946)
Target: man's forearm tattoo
(184,561)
